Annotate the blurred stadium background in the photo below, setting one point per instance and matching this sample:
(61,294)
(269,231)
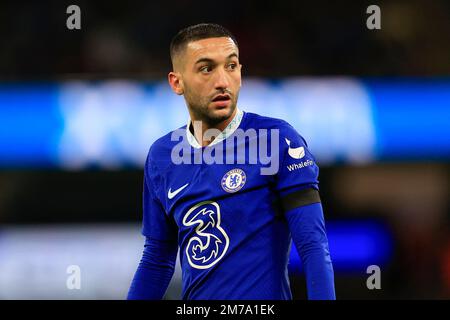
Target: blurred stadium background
(79,110)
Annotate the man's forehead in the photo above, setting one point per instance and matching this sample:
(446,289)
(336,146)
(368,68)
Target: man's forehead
(211,46)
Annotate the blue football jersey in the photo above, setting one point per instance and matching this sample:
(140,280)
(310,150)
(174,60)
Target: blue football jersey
(227,217)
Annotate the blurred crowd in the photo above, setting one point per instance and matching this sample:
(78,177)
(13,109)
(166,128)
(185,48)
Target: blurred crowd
(276,38)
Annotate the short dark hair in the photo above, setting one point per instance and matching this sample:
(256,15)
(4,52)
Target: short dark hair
(197,32)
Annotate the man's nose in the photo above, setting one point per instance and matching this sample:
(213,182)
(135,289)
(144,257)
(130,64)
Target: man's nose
(222,81)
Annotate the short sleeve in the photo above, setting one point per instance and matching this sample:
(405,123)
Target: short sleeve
(156,223)
(298,168)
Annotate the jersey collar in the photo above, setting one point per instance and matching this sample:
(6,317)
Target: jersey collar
(232,126)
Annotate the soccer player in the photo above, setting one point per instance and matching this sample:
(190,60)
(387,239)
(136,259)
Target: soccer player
(231,213)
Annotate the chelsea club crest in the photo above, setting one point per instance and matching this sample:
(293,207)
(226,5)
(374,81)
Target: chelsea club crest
(234,180)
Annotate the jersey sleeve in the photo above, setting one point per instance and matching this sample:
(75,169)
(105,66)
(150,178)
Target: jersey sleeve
(307,226)
(297,180)
(156,223)
(154,272)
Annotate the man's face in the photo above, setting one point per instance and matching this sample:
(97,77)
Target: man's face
(210,78)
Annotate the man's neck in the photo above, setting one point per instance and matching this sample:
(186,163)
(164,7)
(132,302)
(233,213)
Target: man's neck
(199,132)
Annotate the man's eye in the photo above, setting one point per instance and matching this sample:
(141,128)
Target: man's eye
(205,69)
(232,66)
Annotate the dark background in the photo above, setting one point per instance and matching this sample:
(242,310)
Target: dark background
(276,38)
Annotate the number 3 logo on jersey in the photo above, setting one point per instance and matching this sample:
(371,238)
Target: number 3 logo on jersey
(210,242)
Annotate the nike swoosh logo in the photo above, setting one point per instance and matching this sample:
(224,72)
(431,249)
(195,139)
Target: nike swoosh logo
(171,194)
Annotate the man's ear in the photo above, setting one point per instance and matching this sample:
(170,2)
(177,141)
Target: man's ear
(176,83)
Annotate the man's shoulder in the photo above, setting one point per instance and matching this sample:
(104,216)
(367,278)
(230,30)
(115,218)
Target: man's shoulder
(258,121)
(162,147)
(285,129)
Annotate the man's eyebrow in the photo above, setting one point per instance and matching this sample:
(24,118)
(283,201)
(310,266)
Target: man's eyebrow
(234,54)
(204,60)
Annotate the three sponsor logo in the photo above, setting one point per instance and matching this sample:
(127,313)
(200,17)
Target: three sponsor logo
(210,242)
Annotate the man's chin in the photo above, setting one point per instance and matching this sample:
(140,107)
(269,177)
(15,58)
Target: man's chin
(219,114)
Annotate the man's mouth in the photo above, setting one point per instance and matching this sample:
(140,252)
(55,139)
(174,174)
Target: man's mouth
(221,97)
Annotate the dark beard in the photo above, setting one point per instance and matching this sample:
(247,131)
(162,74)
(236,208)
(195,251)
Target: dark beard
(203,114)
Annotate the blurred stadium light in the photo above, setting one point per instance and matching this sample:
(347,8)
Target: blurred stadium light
(34,259)
(111,124)
(354,245)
